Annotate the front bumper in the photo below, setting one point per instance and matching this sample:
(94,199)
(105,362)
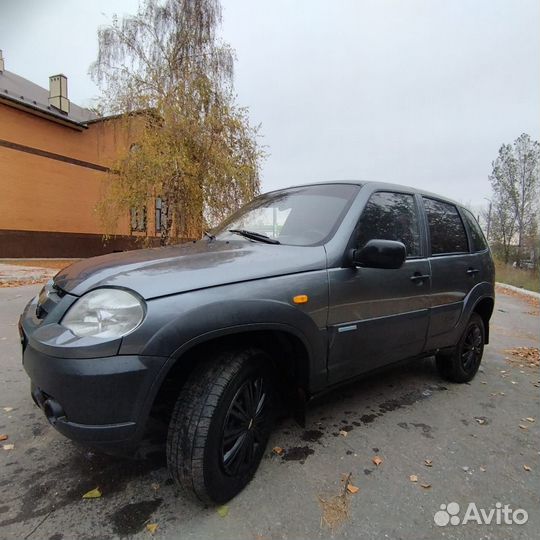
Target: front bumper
(103,402)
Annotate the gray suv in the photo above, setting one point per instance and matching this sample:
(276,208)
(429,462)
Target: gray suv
(302,289)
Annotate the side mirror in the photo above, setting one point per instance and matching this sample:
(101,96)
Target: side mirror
(386,254)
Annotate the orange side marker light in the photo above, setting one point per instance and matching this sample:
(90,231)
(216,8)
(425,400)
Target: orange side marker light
(300,299)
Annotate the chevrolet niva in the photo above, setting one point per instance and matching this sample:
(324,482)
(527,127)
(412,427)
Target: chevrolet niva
(300,290)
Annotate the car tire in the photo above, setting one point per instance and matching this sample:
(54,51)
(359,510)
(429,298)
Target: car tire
(220,425)
(461,364)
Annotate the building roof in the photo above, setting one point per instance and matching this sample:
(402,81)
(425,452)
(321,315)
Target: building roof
(25,93)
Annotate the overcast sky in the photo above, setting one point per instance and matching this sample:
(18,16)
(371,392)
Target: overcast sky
(418,92)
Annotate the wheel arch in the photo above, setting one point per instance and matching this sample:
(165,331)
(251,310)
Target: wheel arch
(287,347)
(484,307)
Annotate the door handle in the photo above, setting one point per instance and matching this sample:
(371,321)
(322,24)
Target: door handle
(472,271)
(419,277)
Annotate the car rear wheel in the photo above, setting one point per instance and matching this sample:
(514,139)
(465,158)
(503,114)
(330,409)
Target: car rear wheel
(461,364)
(221,424)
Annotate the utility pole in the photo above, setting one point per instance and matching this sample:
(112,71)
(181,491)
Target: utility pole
(488,218)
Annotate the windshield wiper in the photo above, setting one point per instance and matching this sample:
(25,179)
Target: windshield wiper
(255,236)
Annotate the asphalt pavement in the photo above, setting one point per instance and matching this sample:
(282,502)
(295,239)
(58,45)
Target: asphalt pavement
(438,443)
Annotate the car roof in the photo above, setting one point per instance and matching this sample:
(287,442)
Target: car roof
(375,186)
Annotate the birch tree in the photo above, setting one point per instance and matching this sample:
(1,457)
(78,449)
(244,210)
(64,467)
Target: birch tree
(515,179)
(165,71)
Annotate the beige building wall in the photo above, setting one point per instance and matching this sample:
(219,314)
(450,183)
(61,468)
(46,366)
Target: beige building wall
(51,179)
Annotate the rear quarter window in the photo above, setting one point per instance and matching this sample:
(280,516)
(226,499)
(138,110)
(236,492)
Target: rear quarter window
(479,242)
(446,230)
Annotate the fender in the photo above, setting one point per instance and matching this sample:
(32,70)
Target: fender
(478,293)
(211,321)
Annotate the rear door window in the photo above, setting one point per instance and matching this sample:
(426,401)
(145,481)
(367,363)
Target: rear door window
(446,230)
(479,242)
(391,216)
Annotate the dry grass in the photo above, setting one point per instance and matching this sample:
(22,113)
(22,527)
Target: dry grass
(335,509)
(519,277)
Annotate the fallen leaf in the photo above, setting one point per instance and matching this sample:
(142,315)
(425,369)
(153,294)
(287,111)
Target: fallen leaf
(8,446)
(413,478)
(151,527)
(526,467)
(278,450)
(483,382)
(377,460)
(513,382)
(3,437)
(155,486)
(530,419)
(223,510)
(483,469)
(428,462)
(92,494)
(343,433)
(352,489)
(520,355)
(522,426)
(426,486)
(8,409)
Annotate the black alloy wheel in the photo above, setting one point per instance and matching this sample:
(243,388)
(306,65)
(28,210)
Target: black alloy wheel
(221,424)
(460,363)
(472,349)
(244,428)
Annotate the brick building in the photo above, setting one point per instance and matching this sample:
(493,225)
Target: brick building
(54,165)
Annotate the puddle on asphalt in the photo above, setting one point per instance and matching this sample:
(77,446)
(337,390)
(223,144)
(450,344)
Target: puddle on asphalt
(50,489)
(312,435)
(297,453)
(131,518)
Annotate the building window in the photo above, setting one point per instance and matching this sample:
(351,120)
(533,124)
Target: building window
(138,219)
(159,207)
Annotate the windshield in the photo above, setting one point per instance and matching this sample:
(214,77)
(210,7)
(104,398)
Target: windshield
(303,216)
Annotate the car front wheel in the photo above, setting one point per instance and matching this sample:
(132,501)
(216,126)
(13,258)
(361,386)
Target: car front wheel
(221,424)
(461,363)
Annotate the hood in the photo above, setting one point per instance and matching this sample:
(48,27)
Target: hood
(174,269)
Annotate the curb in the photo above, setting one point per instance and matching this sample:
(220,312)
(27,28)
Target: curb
(525,292)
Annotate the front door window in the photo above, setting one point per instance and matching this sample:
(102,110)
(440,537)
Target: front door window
(391,216)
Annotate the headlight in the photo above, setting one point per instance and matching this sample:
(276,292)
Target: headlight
(104,313)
